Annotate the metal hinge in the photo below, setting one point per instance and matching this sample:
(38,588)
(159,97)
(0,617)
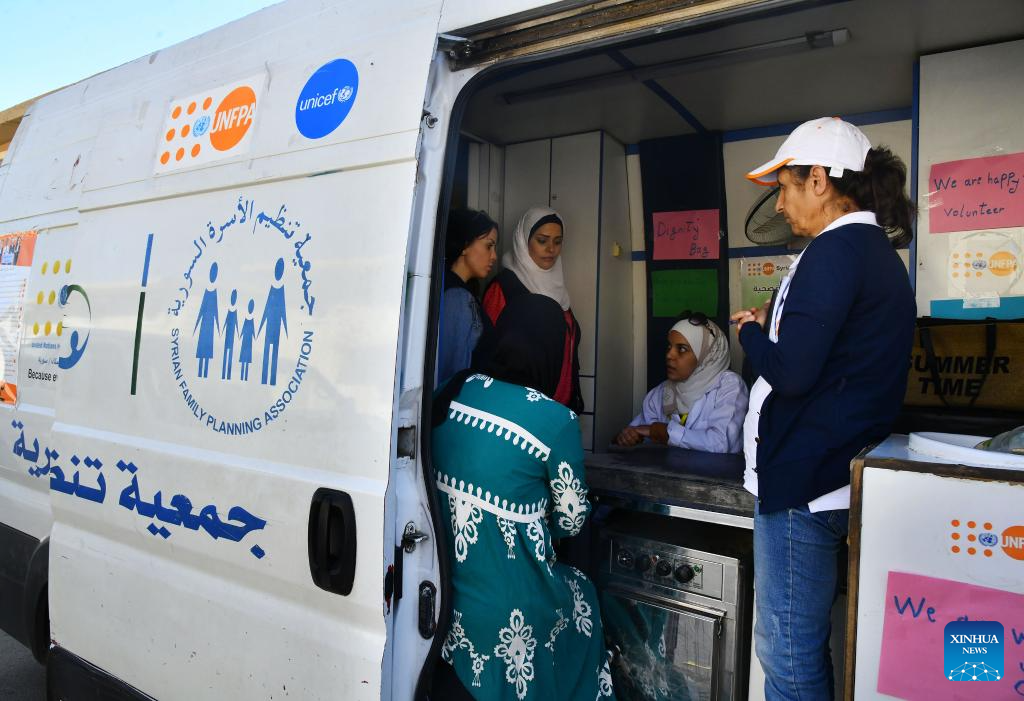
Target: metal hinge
(457,48)
(412,537)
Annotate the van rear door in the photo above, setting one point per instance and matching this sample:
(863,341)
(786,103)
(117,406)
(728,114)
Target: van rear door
(223,438)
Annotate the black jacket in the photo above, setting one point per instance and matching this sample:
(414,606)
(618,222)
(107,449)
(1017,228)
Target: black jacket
(839,371)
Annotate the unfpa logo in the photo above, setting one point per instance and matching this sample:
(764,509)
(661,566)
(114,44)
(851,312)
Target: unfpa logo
(973,651)
(1013,542)
(985,262)
(974,538)
(209,126)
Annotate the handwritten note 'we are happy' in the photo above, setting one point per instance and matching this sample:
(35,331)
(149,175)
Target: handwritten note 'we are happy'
(976,193)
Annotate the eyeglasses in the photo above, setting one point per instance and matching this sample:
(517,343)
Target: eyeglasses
(695,318)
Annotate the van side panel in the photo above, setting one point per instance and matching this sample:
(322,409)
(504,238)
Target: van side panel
(25,428)
(231,348)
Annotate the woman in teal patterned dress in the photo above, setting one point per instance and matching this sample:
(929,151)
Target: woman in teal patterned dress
(509,466)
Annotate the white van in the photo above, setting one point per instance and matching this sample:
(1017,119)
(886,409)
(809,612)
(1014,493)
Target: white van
(221,280)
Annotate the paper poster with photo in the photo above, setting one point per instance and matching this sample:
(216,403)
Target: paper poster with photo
(760,277)
(16,251)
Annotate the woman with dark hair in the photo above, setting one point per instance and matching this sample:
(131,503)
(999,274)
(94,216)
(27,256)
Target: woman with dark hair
(832,366)
(470,256)
(534,265)
(509,469)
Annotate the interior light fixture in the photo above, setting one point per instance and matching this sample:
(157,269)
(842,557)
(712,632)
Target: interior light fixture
(804,42)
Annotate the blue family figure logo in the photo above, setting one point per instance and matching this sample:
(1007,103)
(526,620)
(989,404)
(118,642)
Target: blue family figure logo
(274,317)
(248,334)
(973,651)
(224,252)
(207,323)
(230,332)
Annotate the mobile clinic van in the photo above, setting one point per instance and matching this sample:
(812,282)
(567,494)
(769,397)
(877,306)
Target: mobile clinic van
(222,280)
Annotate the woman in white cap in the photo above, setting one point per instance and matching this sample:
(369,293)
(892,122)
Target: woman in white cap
(534,265)
(831,362)
(702,403)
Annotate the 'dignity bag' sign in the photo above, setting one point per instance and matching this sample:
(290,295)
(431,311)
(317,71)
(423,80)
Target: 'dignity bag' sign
(968,364)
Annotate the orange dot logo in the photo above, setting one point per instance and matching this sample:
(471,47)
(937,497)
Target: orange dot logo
(233,118)
(170,135)
(768,268)
(164,157)
(180,154)
(1002,263)
(176,113)
(184,131)
(195,150)
(1013,542)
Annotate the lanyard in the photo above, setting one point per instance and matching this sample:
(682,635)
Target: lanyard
(780,301)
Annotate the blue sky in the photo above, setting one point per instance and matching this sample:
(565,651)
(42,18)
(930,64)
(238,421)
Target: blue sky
(47,44)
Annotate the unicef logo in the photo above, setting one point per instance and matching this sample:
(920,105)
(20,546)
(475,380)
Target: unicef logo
(201,126)
(243,337)
(326,99)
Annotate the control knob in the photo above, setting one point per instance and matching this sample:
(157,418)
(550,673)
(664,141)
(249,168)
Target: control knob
(643,563)
(663,568)
(625,559)
(684,573)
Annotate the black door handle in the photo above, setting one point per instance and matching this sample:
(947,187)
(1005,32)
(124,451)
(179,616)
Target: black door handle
(332,541)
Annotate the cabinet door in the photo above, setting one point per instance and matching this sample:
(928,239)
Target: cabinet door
(575,195)
(527,184)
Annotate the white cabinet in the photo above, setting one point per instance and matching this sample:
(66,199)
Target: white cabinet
(583,178)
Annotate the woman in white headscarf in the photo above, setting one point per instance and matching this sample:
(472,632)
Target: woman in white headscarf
(534,265)
(702,403)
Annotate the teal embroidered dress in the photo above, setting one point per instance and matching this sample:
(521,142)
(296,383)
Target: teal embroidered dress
(510,473)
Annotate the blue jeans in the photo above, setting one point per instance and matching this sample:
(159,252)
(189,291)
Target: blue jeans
(795,571)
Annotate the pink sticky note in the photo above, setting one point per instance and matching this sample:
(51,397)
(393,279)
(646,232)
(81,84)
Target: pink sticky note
(977,193)
(691,235)
(911,665)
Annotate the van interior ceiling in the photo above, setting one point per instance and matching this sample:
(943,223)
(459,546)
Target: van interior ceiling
(559,131)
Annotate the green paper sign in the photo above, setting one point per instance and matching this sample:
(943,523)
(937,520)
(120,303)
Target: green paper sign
(674,291)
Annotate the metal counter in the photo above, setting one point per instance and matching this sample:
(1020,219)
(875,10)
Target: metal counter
(672,482)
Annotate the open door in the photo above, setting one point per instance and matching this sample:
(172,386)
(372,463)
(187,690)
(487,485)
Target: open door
(223,438)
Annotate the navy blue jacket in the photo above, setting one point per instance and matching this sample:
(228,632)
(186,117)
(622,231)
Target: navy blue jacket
(839,370)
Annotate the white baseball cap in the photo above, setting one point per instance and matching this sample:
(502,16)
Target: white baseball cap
(828,142)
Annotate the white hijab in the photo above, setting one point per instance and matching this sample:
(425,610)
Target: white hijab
(709,345)
(550,283)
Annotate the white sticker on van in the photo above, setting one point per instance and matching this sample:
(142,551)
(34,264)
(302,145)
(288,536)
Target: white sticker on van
(209,126)
(243,339)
